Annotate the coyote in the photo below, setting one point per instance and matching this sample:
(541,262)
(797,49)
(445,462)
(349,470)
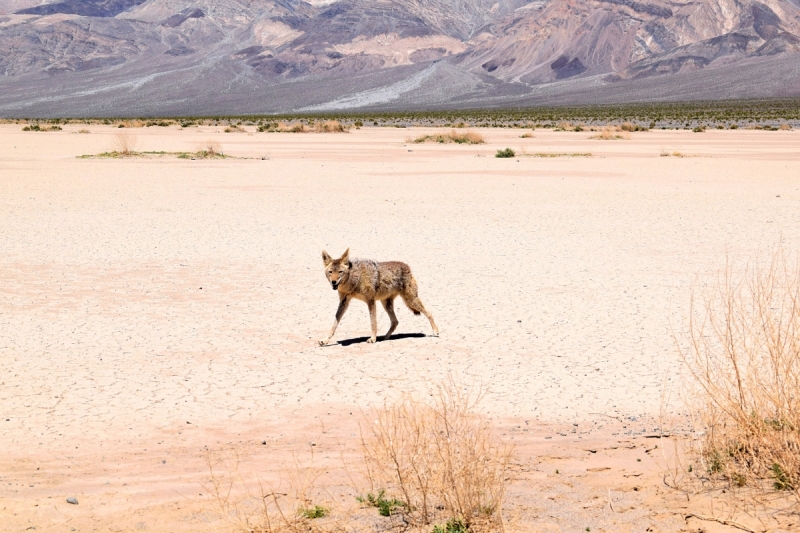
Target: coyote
(371,281)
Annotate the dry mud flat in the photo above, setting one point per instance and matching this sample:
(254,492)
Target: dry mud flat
(153,309)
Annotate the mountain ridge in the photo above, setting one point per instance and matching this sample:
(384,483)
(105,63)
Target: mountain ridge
(250,56)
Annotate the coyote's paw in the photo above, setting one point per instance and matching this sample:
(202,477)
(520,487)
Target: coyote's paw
(371,340)
(435,334)
(323,342)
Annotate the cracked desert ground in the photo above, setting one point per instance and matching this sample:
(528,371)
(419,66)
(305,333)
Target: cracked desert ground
(157,310)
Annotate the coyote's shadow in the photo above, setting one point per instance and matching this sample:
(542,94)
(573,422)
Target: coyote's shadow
(397,336)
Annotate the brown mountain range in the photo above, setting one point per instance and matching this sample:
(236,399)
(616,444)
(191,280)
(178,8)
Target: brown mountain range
(144,57)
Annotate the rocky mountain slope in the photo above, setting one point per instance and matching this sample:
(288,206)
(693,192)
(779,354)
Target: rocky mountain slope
(138,57)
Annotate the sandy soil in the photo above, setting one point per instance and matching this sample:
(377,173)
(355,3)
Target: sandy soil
(152,309)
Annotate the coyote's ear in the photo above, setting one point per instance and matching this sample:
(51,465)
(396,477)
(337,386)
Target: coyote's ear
(345,257)
(326,259)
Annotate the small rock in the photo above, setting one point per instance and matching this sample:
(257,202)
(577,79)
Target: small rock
(163,462)
(264,442)
(73,501)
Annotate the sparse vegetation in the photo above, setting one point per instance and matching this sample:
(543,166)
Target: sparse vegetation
(744,355)
(37,127)
(313,512)
(611,133)
(124,144)
(667,153)
(386,506)
(330,126)
(563,154)
(439,458)
(508,152)
(526,136)
(452,526)
(467,137)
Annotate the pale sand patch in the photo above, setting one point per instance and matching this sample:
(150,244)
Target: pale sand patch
(555,282)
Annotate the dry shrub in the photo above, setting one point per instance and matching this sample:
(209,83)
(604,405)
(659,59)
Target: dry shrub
(609,133)
(438,459)
(296,505)
(297,127)
(209,150)
(526,136)
(330,126)
(745,356)
(785,127)
(467,137)
(235,129)
(124,144)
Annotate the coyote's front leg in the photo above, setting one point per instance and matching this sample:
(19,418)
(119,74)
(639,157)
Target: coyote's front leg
(373,319)
(343,303)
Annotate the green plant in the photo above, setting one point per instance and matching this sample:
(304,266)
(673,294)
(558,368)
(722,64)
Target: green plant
(508,152)
(314,512)
(385,506)
(452,526)
(782,481)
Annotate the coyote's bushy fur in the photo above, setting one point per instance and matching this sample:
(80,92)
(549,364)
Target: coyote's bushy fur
(370,282)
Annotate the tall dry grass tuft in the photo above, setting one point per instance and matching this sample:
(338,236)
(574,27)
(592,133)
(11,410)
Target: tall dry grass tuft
(744,355)
(292,507)
(438,459)
(124,144)
(209,150)
(467,137)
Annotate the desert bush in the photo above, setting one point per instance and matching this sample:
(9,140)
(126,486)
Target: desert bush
(235,129)
(437,459)
(526,136)
(629,126)
(508,152)
(124,144)
(744,355)
(37,127)
(609,133)
(209,150)
(699,129)
(467,137)
(785,127)
(329,126)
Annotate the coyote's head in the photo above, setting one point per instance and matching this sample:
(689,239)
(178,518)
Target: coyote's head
(337,270)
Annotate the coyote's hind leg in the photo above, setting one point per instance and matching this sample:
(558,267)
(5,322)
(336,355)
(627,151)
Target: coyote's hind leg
(415,304)
(388,304)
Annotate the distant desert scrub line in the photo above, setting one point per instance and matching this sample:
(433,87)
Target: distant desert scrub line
(744,357)
(467,137)
(37,127)
(328,126)
(557,154)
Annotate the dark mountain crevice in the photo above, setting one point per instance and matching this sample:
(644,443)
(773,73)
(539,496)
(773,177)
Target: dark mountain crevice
(85,8)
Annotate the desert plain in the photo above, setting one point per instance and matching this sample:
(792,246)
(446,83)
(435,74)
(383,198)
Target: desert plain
(156,312)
